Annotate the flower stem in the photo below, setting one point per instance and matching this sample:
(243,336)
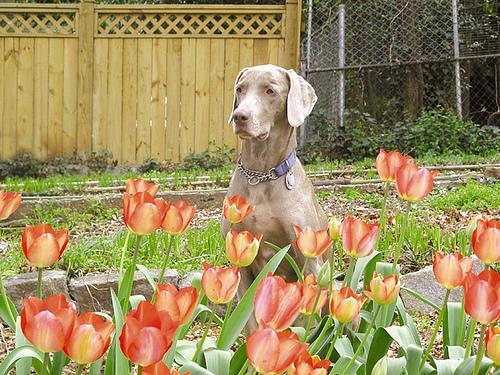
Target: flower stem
(470,338)
(226,316)
(332,255)
(39,284)
(79,370)
(124,250)
(399,244)
(134,263)
(436,329)
(164,265)
(139,370)
(363,342)
(243,369)
(335,338)
(480,350)
(306,261)
(46,360)
(383,213)
(311,317)
(203,338)
(350,270)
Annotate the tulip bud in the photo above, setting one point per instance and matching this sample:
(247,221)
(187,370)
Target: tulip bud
(450,270)
(220,284)
(310,292)
(383,290)
(482,297)
(177,217)
(358,237)
(310,243)
(142,213)
(493,344)
(43,246)
(334,228)
(306,364)
(9,203)
(345,305)
(236,209)
(413,183)
(139,185)
(242,247)
(180,304)
(324,275)
(486,241)
(388,162)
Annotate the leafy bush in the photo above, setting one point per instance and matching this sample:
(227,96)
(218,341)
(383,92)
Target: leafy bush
(434,132)
(213,157)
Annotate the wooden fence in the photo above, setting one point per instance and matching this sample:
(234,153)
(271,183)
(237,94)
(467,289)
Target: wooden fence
(140,81)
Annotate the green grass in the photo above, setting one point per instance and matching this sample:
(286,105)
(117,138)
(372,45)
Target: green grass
(472,196)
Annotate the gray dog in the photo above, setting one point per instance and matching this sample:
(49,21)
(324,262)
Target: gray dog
(269,104)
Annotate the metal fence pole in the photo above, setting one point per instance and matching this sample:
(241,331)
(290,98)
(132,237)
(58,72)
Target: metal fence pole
(305,71)
(341,64)
(456,54)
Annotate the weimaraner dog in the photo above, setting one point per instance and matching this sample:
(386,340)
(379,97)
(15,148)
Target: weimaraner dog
(269,104)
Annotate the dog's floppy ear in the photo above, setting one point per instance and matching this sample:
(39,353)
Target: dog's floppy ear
(301,99)
(234,95)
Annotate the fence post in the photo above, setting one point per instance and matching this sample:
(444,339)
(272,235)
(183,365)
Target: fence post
(456,55)
(307,66)
(86,22)
(341,64)
(292,33)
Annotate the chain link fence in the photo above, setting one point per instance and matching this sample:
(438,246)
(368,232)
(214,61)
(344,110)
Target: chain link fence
(385,60)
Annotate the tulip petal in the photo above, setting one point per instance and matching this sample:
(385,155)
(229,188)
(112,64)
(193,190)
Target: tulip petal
(45,332)
(148,347)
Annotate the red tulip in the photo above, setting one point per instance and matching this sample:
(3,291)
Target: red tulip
(277,303)
(142,213)
(413,183)
(178,217)
(310,243)
(388,163)
(334,228)
(358,237)
(493,344)
(482,296)
(9,203)
(139,185)
(271,352)
(345,305)
(180,304)
(42,246)
(383,290)
(220,284)
(242,247)
(310,290)
(47,324)
(450,270)
(236,209)
(486,241)
(160,368)
(90,338)
(147,334)
(305,364)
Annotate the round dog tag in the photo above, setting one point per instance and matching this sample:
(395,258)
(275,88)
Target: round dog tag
(289,180)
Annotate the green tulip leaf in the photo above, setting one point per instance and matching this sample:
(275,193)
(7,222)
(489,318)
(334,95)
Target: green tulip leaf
(454,325)
(467,366)
(18,354)
(218,361)
(361,264)
(238,360)
(148,276)
(195,369)
(8,312)
(95,368)
(59,361)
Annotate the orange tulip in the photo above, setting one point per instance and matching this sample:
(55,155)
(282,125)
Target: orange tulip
(310,292)
(90,338)
(47,324)
(388,163)
(310,243)
(139,185)
(180,304)
(413,183)
(334,228)
(493,344)
(271,352)
(482,296)
(358,237)
(160,368)
(305,364)
(486,241)
(242,247)
(42,246)
(383,290)
(178,217)
(220,284)
(277,303)
(236,208)
(345,305)
(9,203)
(147,334)
(142,213)
(451,270)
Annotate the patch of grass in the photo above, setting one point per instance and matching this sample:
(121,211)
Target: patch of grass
(472,196)
(371,199)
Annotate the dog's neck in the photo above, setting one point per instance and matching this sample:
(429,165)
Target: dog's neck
(264,155)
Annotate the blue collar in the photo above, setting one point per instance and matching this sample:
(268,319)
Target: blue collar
(256,177)
(286,165)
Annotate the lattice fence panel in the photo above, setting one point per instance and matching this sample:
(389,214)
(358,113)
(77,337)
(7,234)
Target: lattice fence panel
(182,25)
(32,23)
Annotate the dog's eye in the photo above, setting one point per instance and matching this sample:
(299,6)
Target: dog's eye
(270,92)
(238,90)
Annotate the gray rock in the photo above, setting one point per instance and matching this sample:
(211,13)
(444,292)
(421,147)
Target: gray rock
(77,169)
(188,278)
(92,291)
(24,285)
(424,283)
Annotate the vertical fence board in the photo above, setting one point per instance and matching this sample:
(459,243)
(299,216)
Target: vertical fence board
(114,107)
(100,97)
(217,122)
(232,67)
(272,51)
(25,95)
(56,84)
(40,99)
(174,55)
(70,129)
(11,52)
(129,109)
(202,87)
(159,82)
(260,55)
(144,65)
(2,97)
(188,73)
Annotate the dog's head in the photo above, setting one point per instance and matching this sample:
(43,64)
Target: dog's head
(266,94)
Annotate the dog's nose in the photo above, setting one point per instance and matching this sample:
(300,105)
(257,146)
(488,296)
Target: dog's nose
(241,116)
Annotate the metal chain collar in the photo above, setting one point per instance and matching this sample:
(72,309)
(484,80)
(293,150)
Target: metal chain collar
(256,177)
